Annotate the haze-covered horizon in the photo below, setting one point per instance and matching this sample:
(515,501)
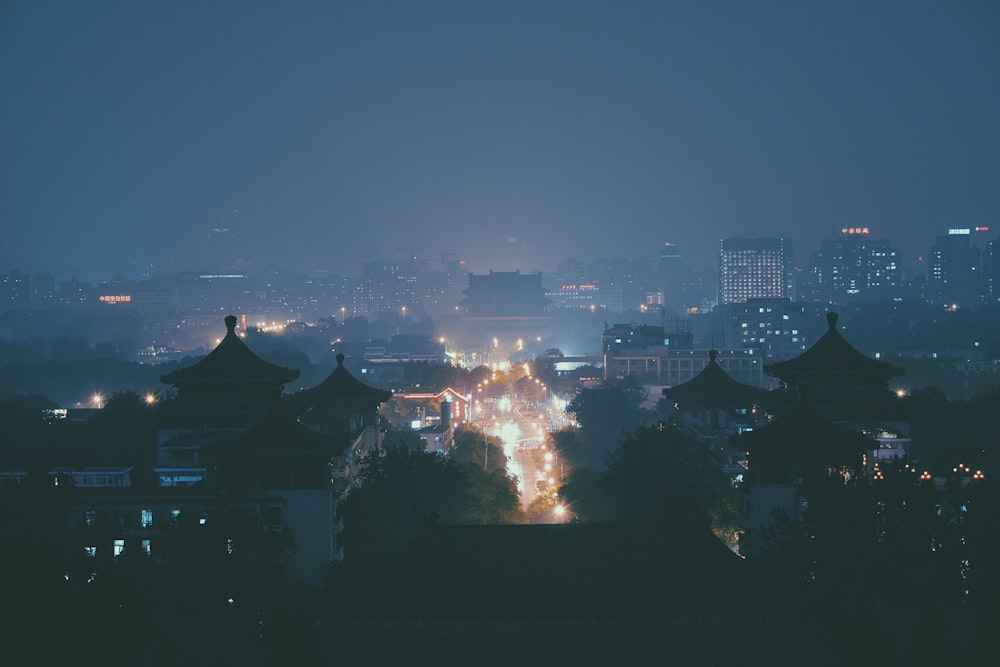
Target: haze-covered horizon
(509,134)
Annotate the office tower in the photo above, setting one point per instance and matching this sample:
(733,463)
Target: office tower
(953,271)
(753,269)
(854,265)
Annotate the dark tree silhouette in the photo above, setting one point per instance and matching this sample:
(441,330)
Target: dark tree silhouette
(660,475)
(605,414)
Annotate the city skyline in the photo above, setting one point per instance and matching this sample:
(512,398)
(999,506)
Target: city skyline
(513,135)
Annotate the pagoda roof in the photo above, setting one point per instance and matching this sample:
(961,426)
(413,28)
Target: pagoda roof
(231,361)
(276,432)
(833,356)
(713,386)
(802,432)
(340,385)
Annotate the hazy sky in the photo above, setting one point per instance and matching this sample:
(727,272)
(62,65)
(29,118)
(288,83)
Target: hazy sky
(513,134)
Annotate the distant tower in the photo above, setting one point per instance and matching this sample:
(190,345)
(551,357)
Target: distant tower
(854,265)
(991,272)
(953,273)
(670,270)
(753,269)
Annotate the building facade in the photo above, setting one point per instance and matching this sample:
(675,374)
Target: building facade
(753,269)
(854,265)
(954,277)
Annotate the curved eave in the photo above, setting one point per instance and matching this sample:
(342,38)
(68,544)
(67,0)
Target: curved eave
(802,430)
(713,386)
(340,385)
(833,356)
(231,361)
(276,427)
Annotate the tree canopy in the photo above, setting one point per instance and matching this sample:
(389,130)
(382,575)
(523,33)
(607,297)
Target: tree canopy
(605,414)
(400,491)
(658,475)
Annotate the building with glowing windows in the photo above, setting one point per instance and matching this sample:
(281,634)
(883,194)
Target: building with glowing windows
(753,269)
(953,270)
(854,265)
(991,272)
(656,356)
(777,328)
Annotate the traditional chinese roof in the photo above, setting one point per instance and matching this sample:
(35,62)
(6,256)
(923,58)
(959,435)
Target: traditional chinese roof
(276,433)
(341,386)
(276,453)
(713,387)
(832,358)
(803,434)
(231,362)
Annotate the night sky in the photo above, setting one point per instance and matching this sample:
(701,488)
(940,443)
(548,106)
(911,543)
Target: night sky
(513,134)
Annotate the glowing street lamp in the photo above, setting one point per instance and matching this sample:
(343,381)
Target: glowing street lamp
(150,398)
(98,400)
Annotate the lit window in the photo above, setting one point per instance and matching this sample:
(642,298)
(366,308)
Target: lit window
(90,517)
(145,547)
(119,548)
(90,551)
(146,518)
(202,520)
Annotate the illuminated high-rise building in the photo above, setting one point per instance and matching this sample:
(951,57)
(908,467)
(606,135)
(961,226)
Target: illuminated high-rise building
(753,269)
(853,265)
(953,270)
(991,272)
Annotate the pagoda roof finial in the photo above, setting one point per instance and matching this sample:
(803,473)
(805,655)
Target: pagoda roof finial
(231,361)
